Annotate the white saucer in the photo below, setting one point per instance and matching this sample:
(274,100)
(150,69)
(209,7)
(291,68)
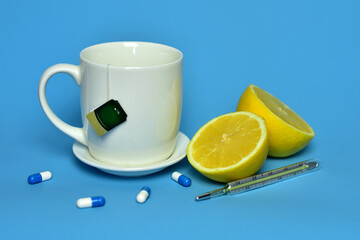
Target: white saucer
(83,154)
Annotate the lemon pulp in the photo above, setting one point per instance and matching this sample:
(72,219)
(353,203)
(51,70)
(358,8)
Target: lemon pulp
(229,147)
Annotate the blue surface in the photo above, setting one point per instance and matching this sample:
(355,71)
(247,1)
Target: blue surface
(307,53)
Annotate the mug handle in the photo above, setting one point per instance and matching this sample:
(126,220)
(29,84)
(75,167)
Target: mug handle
(74,71)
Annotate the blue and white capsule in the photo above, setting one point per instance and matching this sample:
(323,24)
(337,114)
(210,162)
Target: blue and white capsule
(181,179)
(143,195)
(39,177)
(90,202)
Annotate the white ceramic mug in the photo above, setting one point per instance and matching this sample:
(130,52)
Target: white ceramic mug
(146,79)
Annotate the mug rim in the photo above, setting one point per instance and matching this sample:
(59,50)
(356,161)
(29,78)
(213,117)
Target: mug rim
(178,59)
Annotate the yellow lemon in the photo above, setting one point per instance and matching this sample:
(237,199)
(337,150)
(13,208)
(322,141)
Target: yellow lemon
(288,132)
(229,147)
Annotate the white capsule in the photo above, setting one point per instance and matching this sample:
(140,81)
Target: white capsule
(175,176)
(143,195)
(46,175)
(84,202)
(90,202)
(39,177)
(181,179)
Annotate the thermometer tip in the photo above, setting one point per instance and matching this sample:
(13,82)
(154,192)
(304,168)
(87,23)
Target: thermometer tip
(313,164)
(203,196)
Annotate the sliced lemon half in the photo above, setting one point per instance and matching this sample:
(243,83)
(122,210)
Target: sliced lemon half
(229,147)
(288,132)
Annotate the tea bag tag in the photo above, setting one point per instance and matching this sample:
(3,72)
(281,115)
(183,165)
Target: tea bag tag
(106,117)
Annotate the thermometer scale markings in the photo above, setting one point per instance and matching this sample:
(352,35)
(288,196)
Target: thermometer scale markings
(263,179)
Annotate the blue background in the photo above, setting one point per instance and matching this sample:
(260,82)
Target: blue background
(307,53)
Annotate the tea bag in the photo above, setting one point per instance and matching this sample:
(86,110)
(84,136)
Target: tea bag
(106,117)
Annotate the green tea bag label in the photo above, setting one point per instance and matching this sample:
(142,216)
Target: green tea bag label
(106,117)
